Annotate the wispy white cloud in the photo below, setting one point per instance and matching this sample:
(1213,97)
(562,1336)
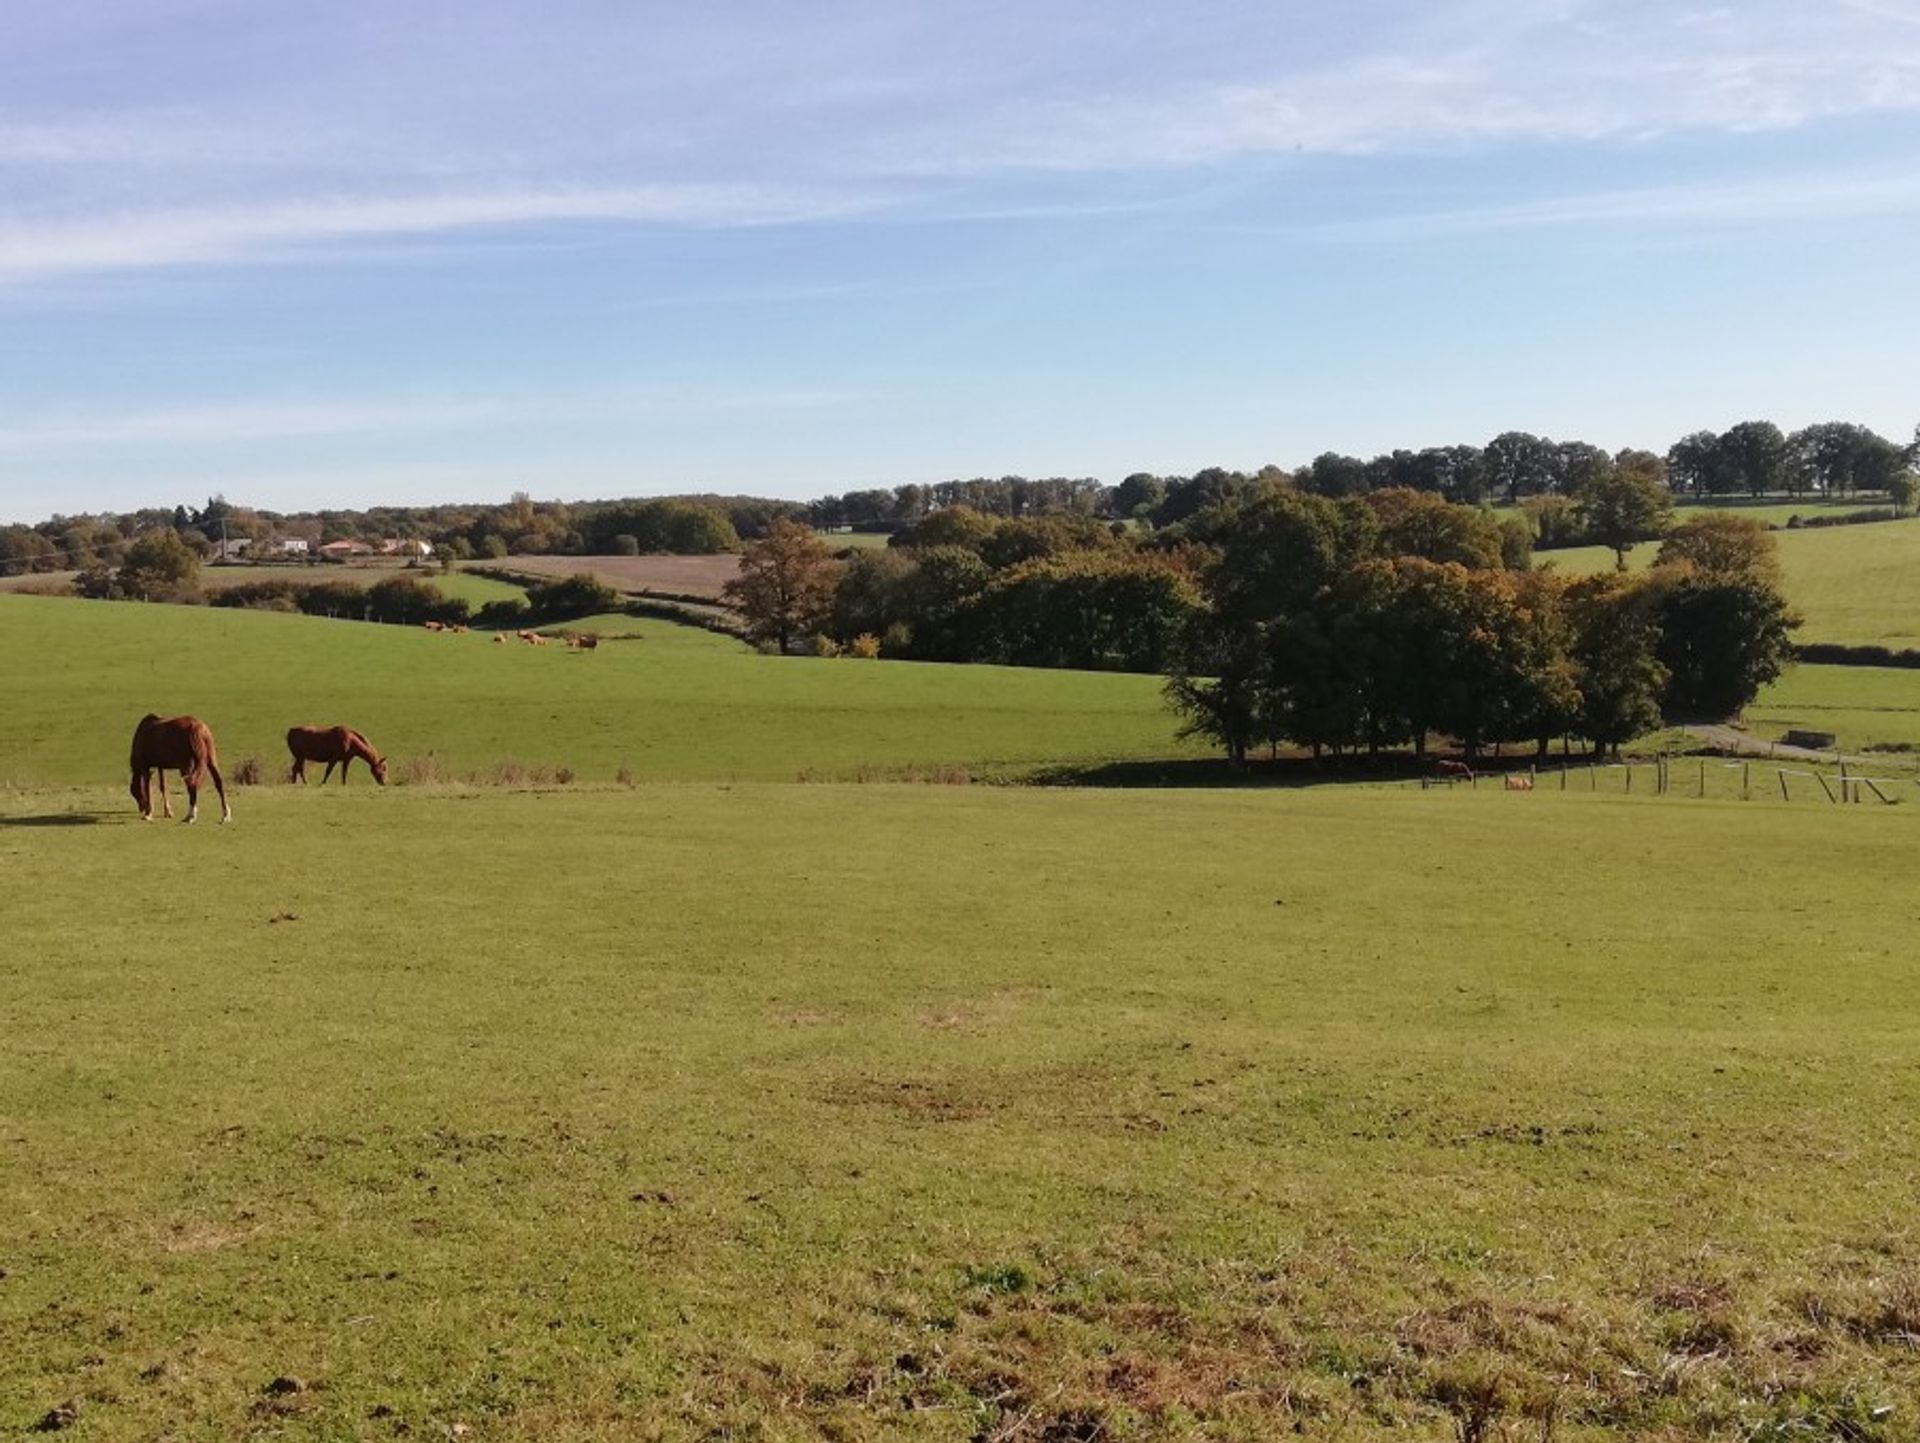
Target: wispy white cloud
(139,239)
(326,144)
(1451,101)
(250,421)
(1817,196)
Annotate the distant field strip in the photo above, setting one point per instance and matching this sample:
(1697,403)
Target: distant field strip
(1855,585)
(700,576)
(1864,706)
(671,702)
(477,590)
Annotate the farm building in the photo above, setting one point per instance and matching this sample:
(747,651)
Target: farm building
(341,550)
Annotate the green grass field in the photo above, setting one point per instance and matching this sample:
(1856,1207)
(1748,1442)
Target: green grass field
(718,1108)
(1855,585)
(671,702)
(1864,706)
(1771,512)
(477,590)
(851,1112)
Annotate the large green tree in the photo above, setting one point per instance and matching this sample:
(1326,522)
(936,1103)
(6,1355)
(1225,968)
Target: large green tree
(1721,640)
(1623,507)
(1755,456)
(1614,649)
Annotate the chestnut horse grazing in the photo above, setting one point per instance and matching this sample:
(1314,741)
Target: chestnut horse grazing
(179,744)
(337,747)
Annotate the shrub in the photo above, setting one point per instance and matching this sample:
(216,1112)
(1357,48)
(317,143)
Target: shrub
(865,646)
(1844,518)
(332,598)
(506,615)
(823,645)
(575,596)
(249,772)
(403,601)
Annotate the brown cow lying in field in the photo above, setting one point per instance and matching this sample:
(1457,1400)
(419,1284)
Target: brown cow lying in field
(1517,783)
(181,744)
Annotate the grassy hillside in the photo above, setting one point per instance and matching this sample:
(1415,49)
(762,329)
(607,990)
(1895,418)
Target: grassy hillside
(944,1113)
(670,702)
(1856,585)
(1863,706)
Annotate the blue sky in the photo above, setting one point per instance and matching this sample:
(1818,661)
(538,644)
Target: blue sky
(328,255)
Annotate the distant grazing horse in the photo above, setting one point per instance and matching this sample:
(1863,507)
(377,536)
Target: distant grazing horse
(337,747)
(1449,768)
(174,744)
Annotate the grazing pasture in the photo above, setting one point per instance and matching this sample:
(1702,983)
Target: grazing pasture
(477,590)
(1864,706)
(849,1112)
(857,540)
(1855,585)
(663,701)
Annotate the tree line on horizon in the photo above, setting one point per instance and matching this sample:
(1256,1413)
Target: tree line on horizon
(1555,485)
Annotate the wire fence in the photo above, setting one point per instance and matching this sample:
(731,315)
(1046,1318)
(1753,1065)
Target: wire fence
(1692,776)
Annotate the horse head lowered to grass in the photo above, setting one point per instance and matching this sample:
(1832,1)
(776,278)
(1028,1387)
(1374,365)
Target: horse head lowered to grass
(180,744)
(337,747)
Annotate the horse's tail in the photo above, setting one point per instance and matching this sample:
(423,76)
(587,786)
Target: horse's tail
(210,766)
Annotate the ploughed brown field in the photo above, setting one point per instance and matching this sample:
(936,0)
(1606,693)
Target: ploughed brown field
(701,576)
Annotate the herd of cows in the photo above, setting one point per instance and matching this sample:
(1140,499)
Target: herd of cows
(576,641)
(184,744)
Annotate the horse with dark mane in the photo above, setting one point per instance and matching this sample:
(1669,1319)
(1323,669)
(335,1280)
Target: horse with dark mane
(337,747)
(180,744)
